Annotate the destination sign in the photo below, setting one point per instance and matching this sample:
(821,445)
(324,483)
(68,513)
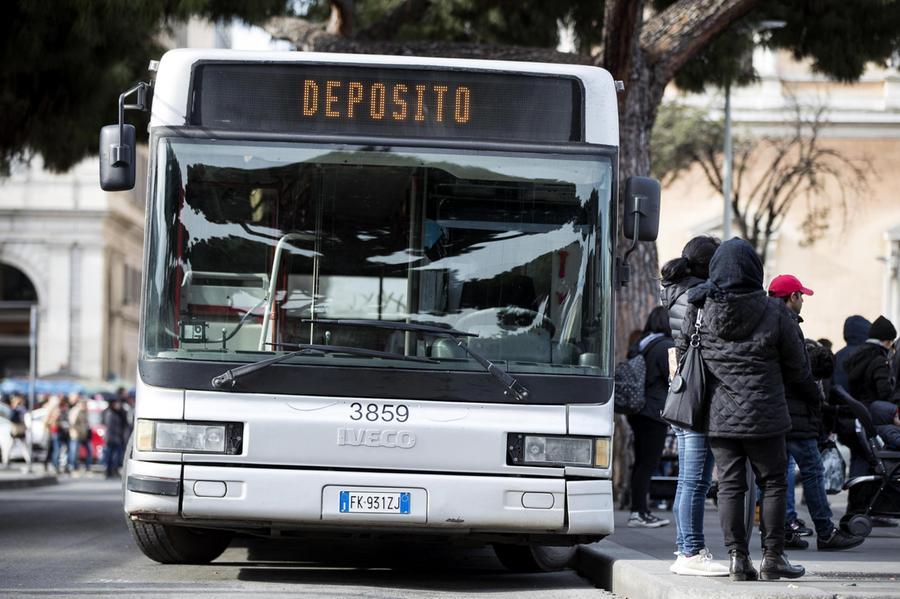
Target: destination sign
(379,101)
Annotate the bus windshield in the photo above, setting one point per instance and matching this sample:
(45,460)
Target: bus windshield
(255,246)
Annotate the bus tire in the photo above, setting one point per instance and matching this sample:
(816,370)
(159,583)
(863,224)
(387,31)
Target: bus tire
(534,558)
(178,544)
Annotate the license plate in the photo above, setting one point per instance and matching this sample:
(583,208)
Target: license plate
(361,502)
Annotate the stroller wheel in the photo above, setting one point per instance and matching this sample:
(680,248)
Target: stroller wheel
(857,524)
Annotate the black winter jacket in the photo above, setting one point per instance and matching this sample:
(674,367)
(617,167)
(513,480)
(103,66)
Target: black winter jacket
(869,374)
(804,398)
(674,298)
(656,386)
(752,348)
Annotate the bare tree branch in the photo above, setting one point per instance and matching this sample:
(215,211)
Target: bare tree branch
(342,19)
(304,35)
(676,34)
(621,24)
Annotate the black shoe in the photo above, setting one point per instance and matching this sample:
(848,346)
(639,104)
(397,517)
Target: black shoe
(793,541)
(775,566)
(741,568)
(798,526)
(838,540)
(880,522)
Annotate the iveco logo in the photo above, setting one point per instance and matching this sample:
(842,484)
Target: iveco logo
(369,437)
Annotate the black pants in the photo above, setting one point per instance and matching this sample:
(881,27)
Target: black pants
(768,459)
(649,440)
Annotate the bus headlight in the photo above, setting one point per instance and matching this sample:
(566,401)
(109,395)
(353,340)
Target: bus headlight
(189,437)
(557,450)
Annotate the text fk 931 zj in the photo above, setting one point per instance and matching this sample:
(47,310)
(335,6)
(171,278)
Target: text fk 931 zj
(400,102)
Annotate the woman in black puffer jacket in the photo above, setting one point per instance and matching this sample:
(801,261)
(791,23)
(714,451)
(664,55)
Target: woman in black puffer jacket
(695,459)
(751,348)
(682,273)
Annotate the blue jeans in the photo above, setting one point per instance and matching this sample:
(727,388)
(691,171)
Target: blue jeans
(695,465)
(812,476)
(791,488)
(74,445)
(114,453)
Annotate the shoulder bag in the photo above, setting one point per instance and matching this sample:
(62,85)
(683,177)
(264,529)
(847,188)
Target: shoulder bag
(686,402)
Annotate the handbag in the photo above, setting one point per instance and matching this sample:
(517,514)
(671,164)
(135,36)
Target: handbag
(834,467)
(686,402)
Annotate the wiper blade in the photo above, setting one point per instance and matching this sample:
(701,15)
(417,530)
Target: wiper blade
(511,384)
(229,377)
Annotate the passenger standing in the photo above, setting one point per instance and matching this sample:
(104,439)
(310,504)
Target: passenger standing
(695,459)
(17,429)
(79,432)
(750,347)
(116,422)
(804,400)
(869,370)
(856,331)
(647,425)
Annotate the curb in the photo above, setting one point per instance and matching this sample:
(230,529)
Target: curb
(25,482)
(636,575)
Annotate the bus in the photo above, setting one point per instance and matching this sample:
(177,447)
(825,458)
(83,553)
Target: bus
(378,300)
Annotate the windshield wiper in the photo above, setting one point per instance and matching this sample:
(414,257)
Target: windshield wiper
(230,376)
(512,385)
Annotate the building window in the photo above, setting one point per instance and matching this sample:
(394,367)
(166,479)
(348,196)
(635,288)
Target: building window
(131,286)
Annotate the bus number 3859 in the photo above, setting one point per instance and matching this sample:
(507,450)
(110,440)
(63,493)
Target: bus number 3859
(374,412)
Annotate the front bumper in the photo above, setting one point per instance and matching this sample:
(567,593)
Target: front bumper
(290,499)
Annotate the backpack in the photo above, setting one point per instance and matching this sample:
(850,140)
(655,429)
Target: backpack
(630,380)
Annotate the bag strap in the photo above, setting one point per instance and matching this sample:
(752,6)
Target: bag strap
(695,338)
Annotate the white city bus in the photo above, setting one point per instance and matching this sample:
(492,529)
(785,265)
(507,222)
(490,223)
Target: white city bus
(378,300)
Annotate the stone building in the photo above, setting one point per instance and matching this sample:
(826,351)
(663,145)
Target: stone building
(77,252)
(853,268)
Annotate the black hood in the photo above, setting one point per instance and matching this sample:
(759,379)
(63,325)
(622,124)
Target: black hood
(856,365)
(733,316)
(735,269)
(856,329)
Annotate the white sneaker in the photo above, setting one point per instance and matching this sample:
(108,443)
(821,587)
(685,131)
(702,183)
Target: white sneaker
(701,564)
(679,561)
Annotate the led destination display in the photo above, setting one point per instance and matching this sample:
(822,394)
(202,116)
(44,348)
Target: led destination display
(378,101)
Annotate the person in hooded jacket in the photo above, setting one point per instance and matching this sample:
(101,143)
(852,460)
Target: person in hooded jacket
(695,459)
(856,331)
(647,425)
(869,369)
(751,349)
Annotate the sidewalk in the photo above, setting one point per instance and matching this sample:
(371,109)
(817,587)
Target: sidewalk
(16,478)
(634,563)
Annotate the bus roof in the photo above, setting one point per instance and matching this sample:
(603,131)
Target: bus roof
(170,98)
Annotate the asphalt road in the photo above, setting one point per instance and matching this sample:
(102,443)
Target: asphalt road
(70,539)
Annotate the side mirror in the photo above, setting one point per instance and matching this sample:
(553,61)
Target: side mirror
(117,157)
(641,218)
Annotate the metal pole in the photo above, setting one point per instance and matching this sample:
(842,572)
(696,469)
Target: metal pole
(32,379)
(729,164)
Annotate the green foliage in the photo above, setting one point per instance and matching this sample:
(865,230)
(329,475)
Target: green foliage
(682,136)
(63,65)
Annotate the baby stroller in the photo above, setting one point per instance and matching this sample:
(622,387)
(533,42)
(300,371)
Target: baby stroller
(876,493)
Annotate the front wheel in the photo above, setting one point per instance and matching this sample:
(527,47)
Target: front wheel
(534,558)
(178,544)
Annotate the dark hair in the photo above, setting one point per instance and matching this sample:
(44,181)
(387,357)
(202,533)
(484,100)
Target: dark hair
(694,260)
(658,322)
(821,360)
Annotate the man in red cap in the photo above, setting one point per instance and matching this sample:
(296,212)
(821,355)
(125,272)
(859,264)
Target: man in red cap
(805,406)
(791,290)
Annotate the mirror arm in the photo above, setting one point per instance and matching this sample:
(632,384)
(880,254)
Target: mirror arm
(120,153)
(624,268)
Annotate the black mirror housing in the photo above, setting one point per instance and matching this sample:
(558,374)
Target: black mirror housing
(117,157)
(641,205)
